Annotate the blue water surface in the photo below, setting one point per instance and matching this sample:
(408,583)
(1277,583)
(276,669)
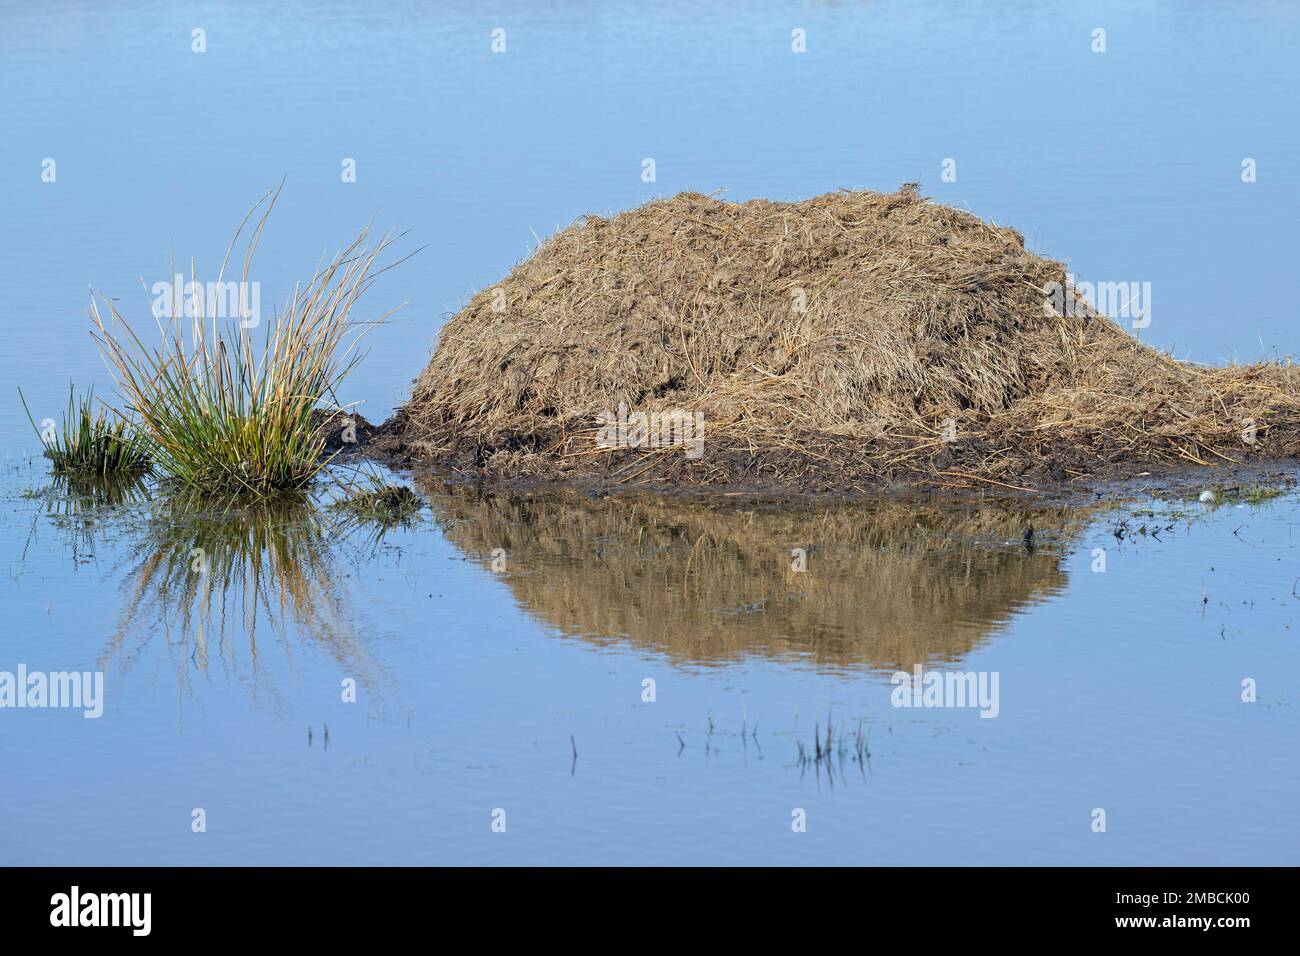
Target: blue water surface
(1120,690)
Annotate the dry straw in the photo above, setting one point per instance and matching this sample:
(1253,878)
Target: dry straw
(837,343)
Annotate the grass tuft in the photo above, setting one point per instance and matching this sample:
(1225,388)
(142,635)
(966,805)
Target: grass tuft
(90,442)
(1258,494)
(226,414)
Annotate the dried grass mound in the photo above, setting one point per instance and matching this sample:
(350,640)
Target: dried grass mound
(831,344)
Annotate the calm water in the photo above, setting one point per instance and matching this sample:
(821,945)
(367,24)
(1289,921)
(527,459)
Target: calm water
(1119,690)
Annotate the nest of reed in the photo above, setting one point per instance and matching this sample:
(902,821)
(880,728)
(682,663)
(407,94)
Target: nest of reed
(852,340)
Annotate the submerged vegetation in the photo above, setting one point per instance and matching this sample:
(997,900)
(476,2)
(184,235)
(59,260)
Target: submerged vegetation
(224,413)
(380,502)
(90,442)
(1234,494)
(1258,494)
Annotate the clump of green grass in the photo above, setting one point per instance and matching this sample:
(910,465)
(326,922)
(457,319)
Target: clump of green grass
(91,442)
(1258,494)
(225,414)
(382,503)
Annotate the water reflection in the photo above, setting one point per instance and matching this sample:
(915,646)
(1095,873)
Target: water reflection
(887,585)
(79,505)
(214,584)
(240,582)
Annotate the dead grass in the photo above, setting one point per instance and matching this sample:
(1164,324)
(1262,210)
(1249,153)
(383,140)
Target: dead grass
(841,342)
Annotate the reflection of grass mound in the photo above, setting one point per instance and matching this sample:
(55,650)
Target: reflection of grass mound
(888,585)
(827,343)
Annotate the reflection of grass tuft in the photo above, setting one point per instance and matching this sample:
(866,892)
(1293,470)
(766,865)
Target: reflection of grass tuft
(82,506)
(214,576)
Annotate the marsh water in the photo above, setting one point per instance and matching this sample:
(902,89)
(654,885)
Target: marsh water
(504,650)
(498,635)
